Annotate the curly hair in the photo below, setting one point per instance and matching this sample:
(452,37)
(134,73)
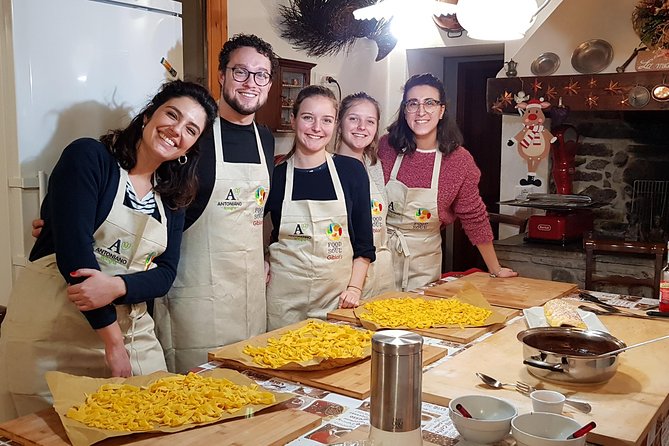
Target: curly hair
(246,40)
(176,183)
(308,92)
(400,135)
(348,102)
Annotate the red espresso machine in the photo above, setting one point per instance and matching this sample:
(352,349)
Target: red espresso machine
(567,216)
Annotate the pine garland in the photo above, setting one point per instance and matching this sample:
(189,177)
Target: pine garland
(650,20)
(326,27)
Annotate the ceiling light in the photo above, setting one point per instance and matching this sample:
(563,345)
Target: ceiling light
(387,9)
(497,19)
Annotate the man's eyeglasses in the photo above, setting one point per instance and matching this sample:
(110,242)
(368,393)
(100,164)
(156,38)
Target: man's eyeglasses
(240,74)
(429,105)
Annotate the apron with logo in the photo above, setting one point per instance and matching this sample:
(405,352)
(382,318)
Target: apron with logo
(311,263)
(44,331)
(380,273)
(218,297)
(414,228)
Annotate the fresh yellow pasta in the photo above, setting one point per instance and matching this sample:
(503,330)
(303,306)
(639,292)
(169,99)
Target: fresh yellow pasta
(421,313)
(170,401)
(314,340)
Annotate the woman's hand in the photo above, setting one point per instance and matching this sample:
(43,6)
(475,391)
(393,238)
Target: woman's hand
(350,297)
(96,291)
(267,272)
(116,356)
(118,360)
(504,272)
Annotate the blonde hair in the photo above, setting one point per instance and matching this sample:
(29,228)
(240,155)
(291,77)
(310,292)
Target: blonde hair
(309,92)
(371,151)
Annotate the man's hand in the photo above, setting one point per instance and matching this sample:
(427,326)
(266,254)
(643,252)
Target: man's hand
(38,224)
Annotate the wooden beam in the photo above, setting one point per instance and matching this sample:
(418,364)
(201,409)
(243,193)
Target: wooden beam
(581,92)
(217,35)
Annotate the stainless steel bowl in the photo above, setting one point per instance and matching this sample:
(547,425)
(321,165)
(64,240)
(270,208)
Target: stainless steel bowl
(592,56)
(568,354)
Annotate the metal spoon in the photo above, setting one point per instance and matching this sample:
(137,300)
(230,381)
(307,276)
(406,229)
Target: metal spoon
(492,382)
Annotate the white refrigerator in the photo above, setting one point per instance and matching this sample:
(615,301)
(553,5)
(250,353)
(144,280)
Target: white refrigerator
(68,69)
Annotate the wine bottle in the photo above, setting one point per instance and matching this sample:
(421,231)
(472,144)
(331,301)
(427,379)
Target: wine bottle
(664,286)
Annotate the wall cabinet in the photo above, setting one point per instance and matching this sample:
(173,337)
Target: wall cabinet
(290,77)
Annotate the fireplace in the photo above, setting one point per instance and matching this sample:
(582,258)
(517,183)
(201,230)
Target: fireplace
(623,161)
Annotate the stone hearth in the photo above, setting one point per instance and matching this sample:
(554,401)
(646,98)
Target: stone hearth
(567,263)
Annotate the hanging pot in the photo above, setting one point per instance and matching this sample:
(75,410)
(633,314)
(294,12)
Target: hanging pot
(448,23)
(660,92)
(638,96)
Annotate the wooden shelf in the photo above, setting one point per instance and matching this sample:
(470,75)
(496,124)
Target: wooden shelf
(583,92)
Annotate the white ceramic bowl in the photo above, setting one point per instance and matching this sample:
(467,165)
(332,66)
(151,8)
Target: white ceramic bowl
(491,418)
(545,429)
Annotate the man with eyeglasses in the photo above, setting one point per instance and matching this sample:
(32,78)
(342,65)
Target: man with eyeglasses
(218,296)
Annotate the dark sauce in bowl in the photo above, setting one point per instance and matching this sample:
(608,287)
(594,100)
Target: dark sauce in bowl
(570,345)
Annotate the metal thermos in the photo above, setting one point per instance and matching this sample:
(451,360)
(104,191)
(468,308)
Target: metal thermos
(396,382)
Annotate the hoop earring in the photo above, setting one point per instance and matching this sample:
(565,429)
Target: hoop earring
(183,159)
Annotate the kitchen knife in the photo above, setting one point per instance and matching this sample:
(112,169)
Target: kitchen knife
(658,313)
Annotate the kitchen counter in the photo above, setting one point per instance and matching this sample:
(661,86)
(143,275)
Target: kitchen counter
(342,416)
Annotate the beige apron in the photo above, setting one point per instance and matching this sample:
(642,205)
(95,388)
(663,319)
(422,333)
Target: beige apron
(218,297)
(380,273)
(45,331)
(414,228)
(311,263)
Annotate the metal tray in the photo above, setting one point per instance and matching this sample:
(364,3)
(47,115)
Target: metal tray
(592,56)
(545,65)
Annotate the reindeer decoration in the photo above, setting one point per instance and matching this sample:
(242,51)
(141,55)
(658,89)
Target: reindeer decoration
(534,141)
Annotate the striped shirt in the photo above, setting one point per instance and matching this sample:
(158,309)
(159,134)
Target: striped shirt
(146,205)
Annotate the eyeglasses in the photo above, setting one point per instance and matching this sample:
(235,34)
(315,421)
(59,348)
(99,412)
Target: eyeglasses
(429,105)
(261,78)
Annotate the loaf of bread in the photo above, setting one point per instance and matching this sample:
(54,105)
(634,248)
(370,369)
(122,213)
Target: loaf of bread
(560,313)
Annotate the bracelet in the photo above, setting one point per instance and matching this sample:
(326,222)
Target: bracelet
(353,286)
(494,275)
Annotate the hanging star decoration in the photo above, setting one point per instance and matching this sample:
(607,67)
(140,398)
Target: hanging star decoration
(536,86)
(506,98)
(592,83)
(551,92)
(591,100)
(572,88)
(497,106)
(613,88)
(625,101)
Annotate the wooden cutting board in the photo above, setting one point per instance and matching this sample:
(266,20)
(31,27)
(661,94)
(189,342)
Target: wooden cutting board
(462,335)
(513,292)
(352,380)
(272,429)
(625,408)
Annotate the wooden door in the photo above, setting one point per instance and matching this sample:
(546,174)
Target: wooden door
(482,133)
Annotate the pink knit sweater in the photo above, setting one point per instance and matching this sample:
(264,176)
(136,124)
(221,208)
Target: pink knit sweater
(458,194)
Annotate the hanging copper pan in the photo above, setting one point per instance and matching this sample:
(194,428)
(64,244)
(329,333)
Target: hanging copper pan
(448,23)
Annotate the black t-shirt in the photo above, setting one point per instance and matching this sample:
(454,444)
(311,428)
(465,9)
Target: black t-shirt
(316,184)
(239,146)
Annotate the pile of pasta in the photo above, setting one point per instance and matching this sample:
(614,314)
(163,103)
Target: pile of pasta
(421,313)
(170,401)
(313,340)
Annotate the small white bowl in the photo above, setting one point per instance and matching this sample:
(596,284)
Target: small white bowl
(547,401)
(491,418)
(545,429)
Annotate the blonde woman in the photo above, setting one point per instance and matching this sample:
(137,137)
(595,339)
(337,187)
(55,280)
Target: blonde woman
(357,137)
(321,242)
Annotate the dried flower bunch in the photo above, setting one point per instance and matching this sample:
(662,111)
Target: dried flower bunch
(326,27)
(650,20)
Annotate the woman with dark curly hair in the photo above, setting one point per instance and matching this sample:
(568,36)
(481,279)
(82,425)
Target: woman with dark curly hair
(430,180)
(113,220)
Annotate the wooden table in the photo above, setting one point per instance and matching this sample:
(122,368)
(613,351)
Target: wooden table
(626,409)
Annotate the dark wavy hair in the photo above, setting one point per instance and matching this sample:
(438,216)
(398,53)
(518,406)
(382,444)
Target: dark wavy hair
(400,135)
(176,183)
(246,40)
(348,102)
(309,92)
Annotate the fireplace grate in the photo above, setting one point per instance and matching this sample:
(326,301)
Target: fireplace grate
(649,216)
